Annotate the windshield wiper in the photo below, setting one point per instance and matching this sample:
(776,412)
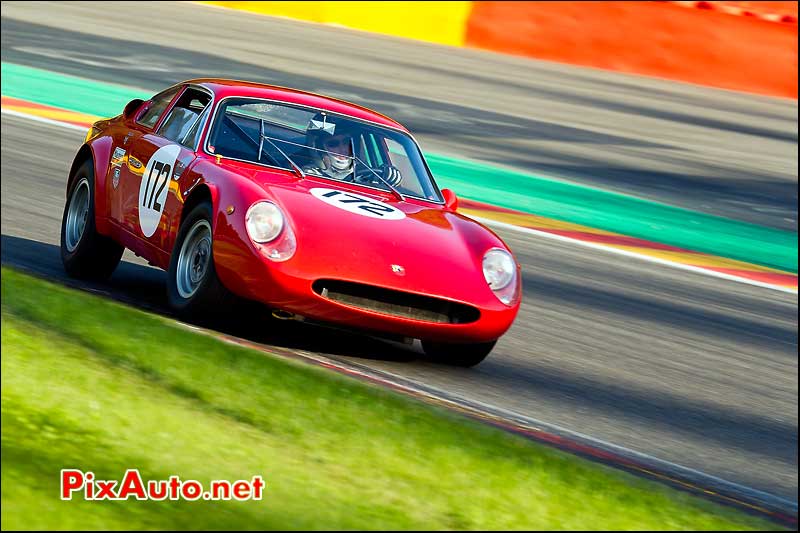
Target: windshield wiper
(393,189)
(263,136)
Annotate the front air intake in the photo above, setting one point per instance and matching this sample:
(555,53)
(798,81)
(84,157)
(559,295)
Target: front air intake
(395,303)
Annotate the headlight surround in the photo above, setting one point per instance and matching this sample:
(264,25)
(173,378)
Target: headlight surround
(264,222)
(500,273)
(270,231)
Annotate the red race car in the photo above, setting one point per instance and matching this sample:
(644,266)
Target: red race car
(318,208)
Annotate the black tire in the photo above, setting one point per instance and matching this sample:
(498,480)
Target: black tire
(208,297)
(85,253)
(465,355)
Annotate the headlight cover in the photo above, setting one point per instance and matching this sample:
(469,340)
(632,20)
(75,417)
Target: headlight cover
(500,272)
(264,222)
(269,230)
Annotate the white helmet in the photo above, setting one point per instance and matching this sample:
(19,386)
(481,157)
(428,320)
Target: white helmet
(321,132)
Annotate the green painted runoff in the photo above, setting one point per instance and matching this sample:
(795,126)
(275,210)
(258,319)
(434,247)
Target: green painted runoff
(520,191)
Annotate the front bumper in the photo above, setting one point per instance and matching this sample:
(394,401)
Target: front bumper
(287,288)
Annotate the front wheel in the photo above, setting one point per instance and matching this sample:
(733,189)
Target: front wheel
(193,288)
(85,253)
(465,355)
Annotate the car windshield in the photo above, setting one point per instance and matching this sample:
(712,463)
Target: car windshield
(321,144)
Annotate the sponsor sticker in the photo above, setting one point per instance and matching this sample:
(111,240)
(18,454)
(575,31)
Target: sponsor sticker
(180,166)
(117,160)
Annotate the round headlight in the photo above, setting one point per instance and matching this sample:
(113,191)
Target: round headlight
(499,268)
(264,221)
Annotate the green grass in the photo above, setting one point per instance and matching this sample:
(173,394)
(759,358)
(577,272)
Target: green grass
(94,385)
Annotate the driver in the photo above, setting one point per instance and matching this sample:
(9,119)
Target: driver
(336,161)
(333,157)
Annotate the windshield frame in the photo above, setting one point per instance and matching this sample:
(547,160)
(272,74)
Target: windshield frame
(213,122)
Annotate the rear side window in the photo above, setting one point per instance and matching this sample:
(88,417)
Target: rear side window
(183,123)
(157,107)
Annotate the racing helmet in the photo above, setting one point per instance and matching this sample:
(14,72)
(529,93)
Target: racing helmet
(321,128)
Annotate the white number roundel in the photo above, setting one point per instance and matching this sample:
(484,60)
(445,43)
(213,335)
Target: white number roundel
(155,186)
(355,203)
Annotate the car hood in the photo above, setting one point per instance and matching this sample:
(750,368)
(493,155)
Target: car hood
(416,248)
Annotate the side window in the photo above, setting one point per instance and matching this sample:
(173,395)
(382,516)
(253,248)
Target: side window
(183,123)
(191,138)
(157,107)
(395,152)
(397,157)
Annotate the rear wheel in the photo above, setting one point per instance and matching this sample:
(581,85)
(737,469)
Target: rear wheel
(193,288)
(465,355)
(85,253)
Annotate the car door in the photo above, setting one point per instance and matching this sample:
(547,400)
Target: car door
(163,155)
(127,167)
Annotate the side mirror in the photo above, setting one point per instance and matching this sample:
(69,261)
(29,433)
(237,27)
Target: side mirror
(131,107)
(450,200)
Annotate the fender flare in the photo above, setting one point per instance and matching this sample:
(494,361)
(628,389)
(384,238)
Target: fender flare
(99,151)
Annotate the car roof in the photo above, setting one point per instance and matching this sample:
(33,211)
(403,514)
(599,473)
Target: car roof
(224,88)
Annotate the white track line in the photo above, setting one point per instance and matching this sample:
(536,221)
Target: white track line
(490,222)
(628,253)
(42,119)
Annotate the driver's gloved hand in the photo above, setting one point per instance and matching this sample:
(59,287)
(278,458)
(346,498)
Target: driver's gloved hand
(388,172)
(391,174)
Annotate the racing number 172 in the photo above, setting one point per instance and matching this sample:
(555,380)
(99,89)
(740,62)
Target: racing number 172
(366,205)
(162,171)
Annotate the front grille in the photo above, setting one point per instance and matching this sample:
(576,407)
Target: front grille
(396,303)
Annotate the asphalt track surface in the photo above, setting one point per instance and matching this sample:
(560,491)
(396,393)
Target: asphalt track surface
(719,152)
(690,369)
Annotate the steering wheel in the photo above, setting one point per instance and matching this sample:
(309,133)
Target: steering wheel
(364,175)
(388,173)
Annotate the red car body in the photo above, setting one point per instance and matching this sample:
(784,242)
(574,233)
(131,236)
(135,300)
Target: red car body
(433,252)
